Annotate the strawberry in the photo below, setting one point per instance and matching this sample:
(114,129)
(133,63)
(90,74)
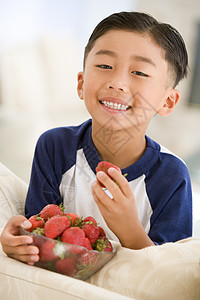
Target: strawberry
(104,166)
(78,222)
(74,249)
(91,232)
(47,252)
(103,244)
(87,258)
(66,266)
(55,226)
(37,239)
(36,221)
(87,244)
(38,231)
(101,232)
(90,220)
(51,210)
(72,217)
(73,235)
(108,247)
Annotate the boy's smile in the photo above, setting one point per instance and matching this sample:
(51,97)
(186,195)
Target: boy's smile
(116,104)
(125,78)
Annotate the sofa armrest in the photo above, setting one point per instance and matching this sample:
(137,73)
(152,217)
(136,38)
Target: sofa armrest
(12,195)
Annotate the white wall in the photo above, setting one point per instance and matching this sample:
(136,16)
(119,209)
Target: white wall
(180,131)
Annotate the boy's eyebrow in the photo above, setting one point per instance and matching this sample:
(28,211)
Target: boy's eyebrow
(134,57)
(144,59)
(105,52)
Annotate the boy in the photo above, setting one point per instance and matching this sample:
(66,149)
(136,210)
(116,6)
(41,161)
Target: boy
(132,65)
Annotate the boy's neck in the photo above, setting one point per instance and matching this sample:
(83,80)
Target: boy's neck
(120,147)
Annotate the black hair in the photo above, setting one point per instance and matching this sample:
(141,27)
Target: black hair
(163,34)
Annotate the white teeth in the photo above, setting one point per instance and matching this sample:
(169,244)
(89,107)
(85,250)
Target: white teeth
(116,106)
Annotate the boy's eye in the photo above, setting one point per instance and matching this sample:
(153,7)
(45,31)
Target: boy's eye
(104,66)
(139,73)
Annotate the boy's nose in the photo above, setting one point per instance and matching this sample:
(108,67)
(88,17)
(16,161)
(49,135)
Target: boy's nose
(118,84)
(113,87)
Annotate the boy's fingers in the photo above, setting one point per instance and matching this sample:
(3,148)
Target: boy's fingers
(113,183)
(15,241)
(104,179)
(100,197)
(102,202)
(11,236)
(22,250)
(123,183)
(18,246)
(16,221)
(26,224)
(25,253)
(30,259)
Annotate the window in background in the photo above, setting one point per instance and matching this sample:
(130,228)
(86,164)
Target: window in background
(28,20)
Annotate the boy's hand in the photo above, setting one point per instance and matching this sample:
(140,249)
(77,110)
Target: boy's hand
(120,212)
(18,246)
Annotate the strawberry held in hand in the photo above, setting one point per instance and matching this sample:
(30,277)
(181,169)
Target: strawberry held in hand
(104,166)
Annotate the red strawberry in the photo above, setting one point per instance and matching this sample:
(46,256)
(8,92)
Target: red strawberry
(37,239)
(91,232)
(101,232)
(47,252)
(87,258)
(66,266)
(50,210)
(55,226)
(104,166)
(90,220)
(103,244)
(72,217)
(87,244)
(74,249)
(73,235)
(38,231)
(108,247)
(36,221)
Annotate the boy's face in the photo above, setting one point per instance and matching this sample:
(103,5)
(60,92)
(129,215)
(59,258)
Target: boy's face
(124,82)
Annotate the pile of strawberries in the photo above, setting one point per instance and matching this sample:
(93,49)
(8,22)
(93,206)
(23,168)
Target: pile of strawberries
(59,236)
(68,259)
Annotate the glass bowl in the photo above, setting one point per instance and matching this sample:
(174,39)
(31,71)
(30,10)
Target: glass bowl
(67,259)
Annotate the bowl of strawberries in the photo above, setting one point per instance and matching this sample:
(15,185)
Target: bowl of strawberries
(69,244)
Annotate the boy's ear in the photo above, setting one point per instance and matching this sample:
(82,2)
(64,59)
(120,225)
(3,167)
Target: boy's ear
(80,79)
(170,103)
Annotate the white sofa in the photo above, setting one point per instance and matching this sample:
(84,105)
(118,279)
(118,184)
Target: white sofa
(169,271)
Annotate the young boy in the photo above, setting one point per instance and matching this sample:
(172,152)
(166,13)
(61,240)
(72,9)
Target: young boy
(132,65)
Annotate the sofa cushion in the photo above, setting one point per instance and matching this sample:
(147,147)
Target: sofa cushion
(168,271)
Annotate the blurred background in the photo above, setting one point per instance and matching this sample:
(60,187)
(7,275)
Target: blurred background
(41,51)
